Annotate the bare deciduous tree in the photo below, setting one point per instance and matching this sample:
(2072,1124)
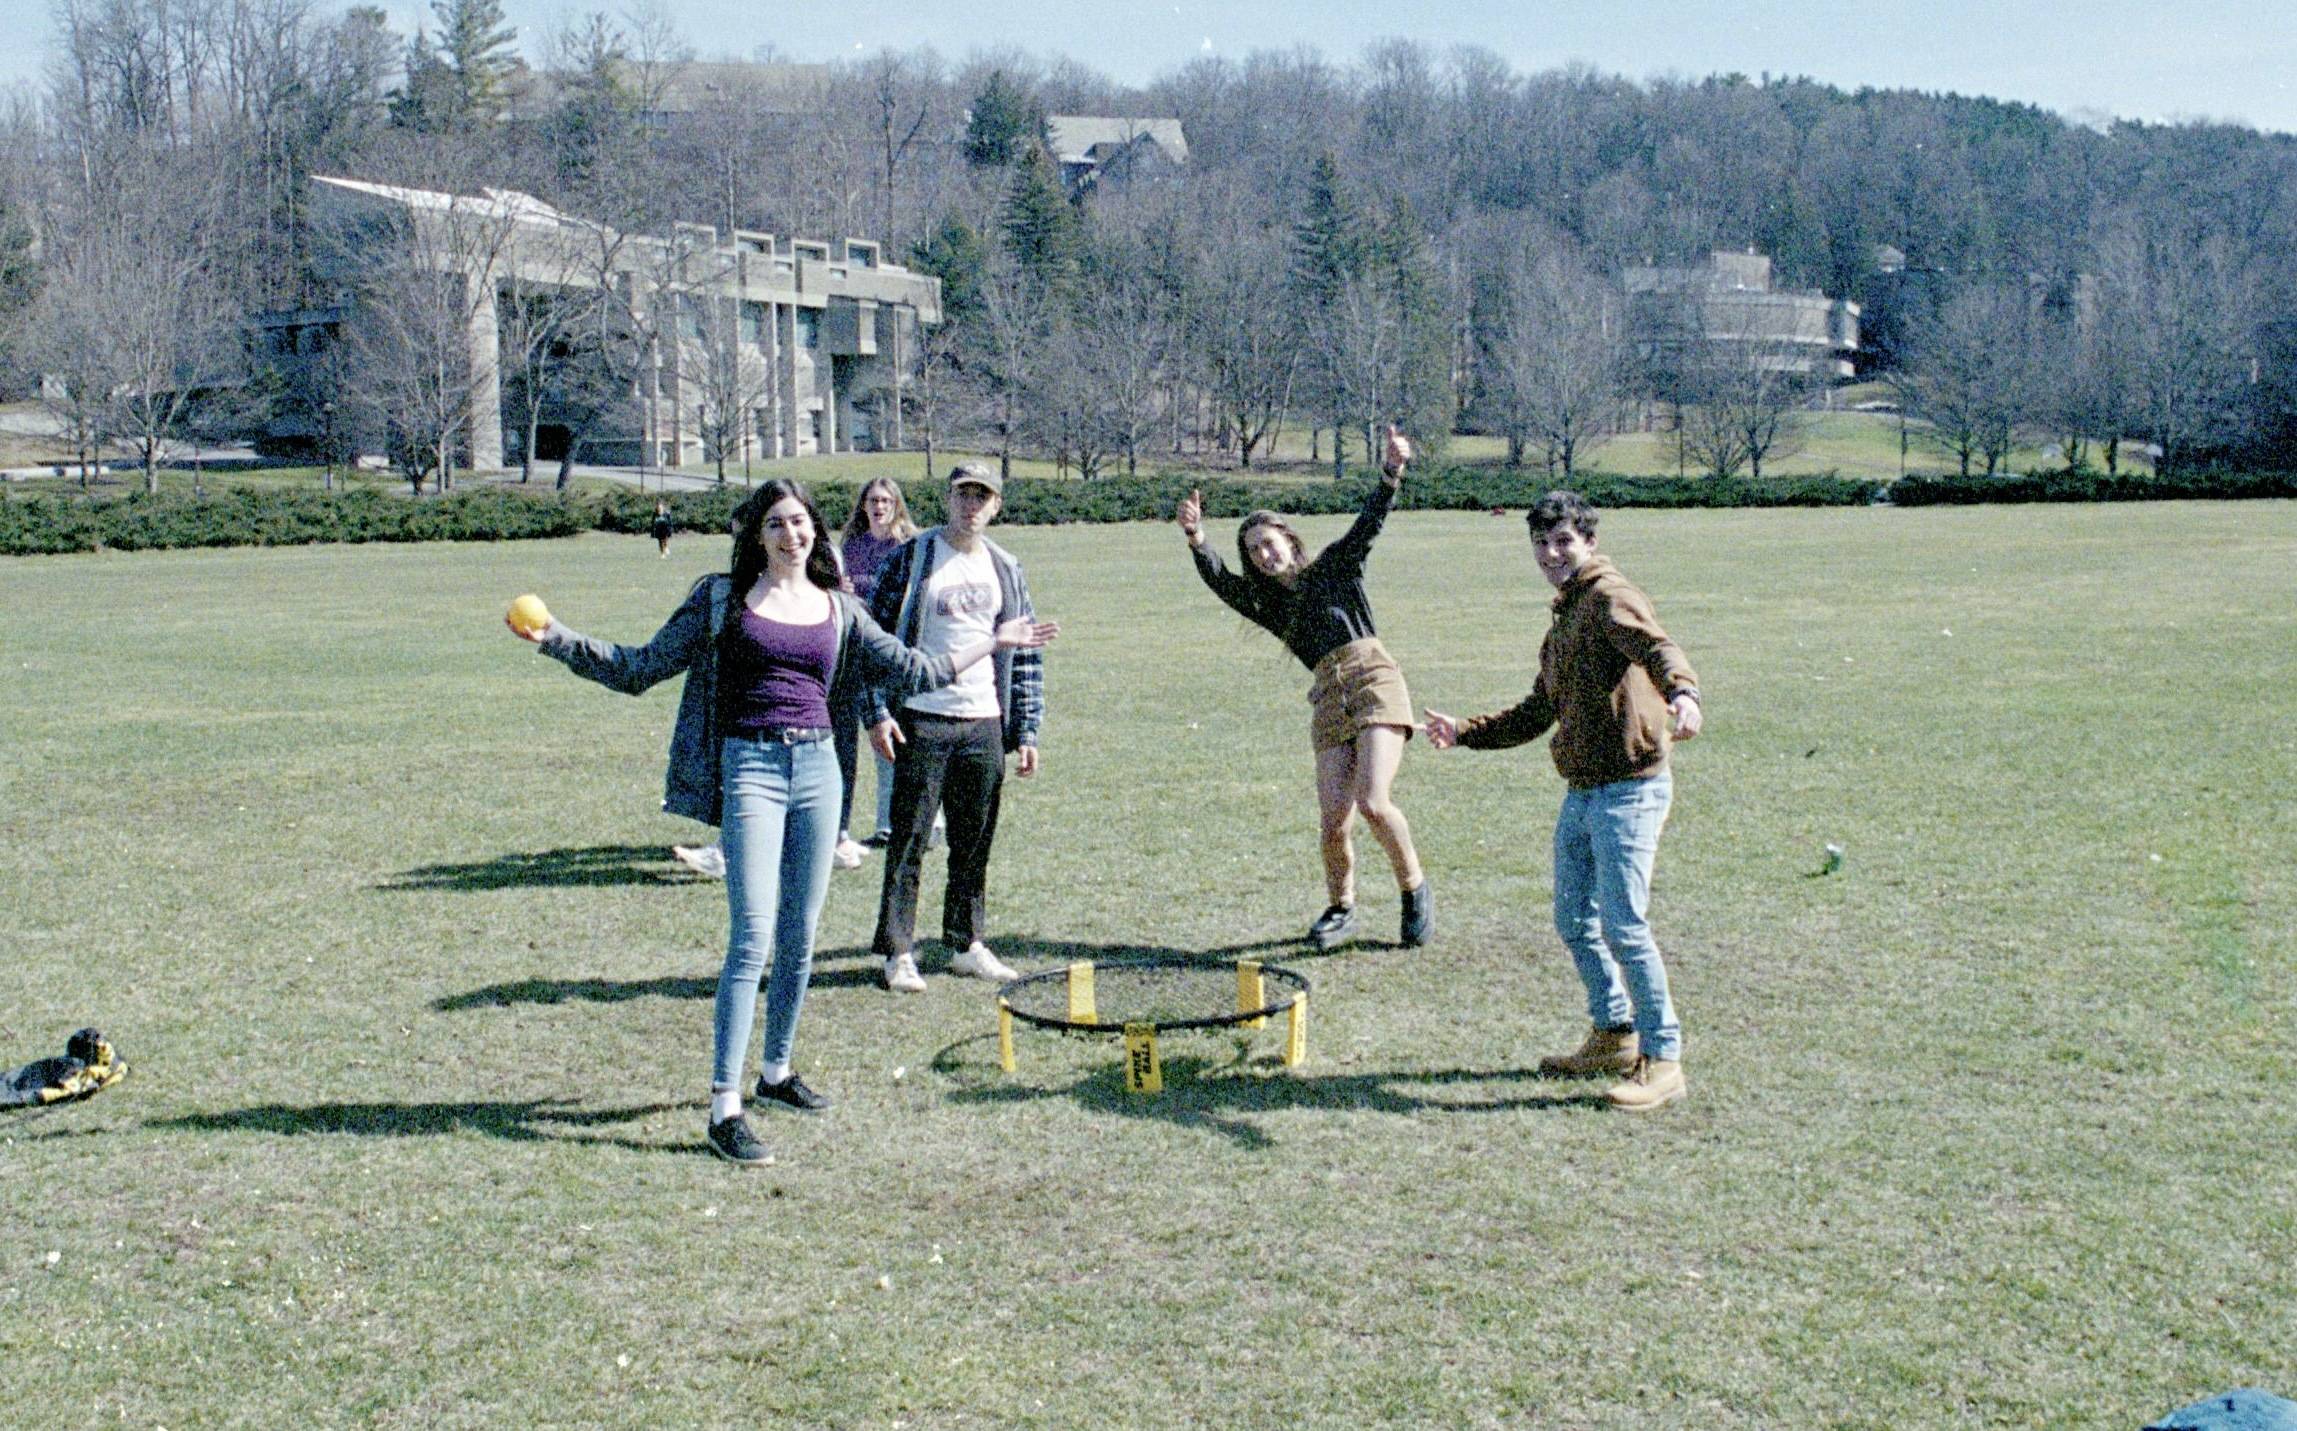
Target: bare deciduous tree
(133,320)
(422,339)
(1971,376)
(1555,359)
(1242,345)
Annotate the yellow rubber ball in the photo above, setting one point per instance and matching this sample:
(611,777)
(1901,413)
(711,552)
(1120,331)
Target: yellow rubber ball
(528,614)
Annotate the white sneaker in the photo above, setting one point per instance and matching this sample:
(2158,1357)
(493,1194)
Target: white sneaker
(901,975)
(847,855)
(978,962)
(708,861)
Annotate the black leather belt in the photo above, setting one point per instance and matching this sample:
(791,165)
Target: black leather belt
(786,735)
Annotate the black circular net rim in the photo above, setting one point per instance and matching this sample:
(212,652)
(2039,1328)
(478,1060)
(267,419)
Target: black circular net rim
(1273,977)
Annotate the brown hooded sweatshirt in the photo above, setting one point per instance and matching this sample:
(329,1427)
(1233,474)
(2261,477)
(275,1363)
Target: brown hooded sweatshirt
(1606,674)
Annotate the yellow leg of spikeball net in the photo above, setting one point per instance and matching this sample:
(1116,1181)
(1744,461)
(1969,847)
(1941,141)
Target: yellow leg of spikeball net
(1143,1074)
(1005,1036)
(1081,1009)
(1251,991)
(1296,1033)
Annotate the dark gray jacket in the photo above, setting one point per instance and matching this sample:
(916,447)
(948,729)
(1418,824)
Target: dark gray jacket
(688,642)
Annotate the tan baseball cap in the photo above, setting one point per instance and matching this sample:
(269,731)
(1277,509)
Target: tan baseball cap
(976,474)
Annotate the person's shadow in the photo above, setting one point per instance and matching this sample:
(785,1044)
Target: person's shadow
(522,1121)
(853,966)
(1217,1094)
(550,869)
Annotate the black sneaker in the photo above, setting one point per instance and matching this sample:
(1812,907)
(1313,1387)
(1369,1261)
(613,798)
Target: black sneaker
(1419,915)
(791,1092)
(1334,927)
(878,840)
(731,1139)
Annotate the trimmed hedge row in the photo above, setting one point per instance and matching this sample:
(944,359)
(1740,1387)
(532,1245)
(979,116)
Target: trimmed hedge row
(277,516)
(250,516)
(2084,485)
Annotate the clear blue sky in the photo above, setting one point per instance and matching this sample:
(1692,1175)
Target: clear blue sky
(2142,59)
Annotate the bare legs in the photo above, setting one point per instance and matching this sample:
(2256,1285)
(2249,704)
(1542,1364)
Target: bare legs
(1362,777)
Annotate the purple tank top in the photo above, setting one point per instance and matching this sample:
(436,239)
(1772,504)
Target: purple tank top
(773,676)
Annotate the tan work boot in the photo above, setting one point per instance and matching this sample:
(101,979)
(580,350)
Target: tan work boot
(1603,1051)
(1654,1083)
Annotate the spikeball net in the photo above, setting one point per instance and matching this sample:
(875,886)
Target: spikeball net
(1142,998)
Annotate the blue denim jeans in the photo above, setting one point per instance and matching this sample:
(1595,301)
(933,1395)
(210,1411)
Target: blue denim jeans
(781,827)
(1605,840)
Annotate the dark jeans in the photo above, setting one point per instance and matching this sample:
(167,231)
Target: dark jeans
(952,765)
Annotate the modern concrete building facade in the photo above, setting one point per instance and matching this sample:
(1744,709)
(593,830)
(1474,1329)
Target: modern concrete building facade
(1729,300)
(779,347)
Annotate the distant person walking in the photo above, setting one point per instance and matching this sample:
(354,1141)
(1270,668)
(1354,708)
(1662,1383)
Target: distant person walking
(764,645)
(662,528)
(879,525)
(1609,682)
(1360,711)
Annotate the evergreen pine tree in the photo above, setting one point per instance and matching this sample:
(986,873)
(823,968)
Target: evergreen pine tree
(1006,122)
(1042,231)
(953,253)
(1328,243)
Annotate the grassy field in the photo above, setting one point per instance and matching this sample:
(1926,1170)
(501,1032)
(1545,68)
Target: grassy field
(1990,1128)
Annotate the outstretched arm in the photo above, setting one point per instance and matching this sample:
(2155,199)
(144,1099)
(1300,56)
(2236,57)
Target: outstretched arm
(1234,590)
(633,669)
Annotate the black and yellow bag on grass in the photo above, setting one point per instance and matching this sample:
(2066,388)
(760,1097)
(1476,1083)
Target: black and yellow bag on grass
(88,1067)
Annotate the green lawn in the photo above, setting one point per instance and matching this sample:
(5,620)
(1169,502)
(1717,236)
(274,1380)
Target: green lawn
(1990,1128)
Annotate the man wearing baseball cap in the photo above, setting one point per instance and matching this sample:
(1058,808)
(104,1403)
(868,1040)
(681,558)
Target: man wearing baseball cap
(938,591)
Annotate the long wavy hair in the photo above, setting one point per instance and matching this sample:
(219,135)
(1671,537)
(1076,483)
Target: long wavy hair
(1268,587)
(750,544)
(904,525)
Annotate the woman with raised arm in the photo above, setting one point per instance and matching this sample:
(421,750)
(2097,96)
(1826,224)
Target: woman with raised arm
(1361,714)
(762,647)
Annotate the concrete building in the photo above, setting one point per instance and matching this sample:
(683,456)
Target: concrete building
(782,347)
(1730,300)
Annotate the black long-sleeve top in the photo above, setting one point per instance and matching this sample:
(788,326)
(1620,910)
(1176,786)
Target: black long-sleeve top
(1326,608)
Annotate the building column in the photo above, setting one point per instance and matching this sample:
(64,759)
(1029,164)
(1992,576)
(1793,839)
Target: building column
(786,380)
(483,417)
(830,425)
(771,344)
(672,381)
(891,440)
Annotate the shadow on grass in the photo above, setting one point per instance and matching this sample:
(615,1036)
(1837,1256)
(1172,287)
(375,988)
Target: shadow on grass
(530,1121)
(590,991)
(851,967)
(1217,1095)
(551,869)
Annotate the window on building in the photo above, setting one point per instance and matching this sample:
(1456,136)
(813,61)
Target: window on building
(809,328)
(754,324)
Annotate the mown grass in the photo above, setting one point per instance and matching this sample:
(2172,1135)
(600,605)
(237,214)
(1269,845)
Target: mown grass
(1989,1128)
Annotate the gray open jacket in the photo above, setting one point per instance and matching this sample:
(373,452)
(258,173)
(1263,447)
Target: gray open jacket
(1019,673)
(688,642)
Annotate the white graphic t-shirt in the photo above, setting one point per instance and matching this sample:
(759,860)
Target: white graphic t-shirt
(957,605)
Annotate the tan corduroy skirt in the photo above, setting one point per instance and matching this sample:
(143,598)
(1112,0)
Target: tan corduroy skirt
(1357,685)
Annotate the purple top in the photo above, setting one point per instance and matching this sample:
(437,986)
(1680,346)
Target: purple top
(773,676)
(864,558)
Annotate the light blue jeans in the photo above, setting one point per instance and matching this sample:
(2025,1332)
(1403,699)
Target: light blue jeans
(1605,840)
(781,827)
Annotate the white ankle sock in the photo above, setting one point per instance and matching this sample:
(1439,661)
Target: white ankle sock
(775,1073)
(725,1103)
